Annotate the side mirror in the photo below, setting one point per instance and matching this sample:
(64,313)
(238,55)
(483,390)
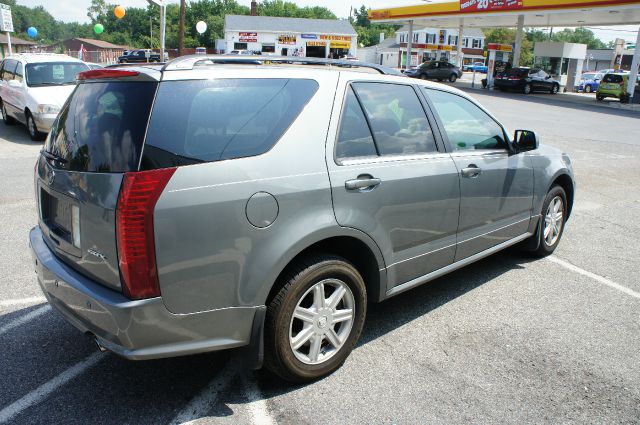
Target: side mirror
(526,140)
(547,77)
(15,84)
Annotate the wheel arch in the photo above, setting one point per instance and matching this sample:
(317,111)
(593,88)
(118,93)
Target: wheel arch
(566,183)
(355,247)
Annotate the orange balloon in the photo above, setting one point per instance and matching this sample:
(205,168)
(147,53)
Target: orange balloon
(119,12)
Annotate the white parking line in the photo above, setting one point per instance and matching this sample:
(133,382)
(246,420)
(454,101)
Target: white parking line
(594,276)
(203,402)
(24,319)
(21,301)
(257,405)
(47,388)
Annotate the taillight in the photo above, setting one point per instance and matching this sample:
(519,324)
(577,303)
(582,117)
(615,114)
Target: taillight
(134,225)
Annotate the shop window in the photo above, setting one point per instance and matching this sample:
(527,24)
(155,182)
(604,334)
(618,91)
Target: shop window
(268,48)
(239,46)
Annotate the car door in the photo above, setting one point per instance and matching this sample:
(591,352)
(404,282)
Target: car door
(390,180)
(496,185)
(534,76)
(431,70)
(8,97)
(19,93)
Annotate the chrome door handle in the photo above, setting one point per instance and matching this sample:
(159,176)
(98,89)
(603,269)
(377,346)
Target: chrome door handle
(472,171)
(362,182)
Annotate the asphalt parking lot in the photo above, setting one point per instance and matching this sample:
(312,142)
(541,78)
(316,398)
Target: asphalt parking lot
(506,340)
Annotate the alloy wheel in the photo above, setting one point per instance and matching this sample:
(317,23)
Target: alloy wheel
(321,321)
(32,126)
(553,221)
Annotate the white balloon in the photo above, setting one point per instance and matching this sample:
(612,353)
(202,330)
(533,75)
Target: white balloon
(201,27)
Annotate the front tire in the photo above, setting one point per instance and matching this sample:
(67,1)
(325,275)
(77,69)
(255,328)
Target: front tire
(315,319)
(554,216)
(453,78)
(587,89)
(599,97)
(554,89)
(34,133)
(526,89)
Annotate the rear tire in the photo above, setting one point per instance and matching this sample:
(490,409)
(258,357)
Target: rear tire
(554,89)
(322,328)
(422,77)
(5,117)
(526,89)
(587,89)
(453,78)
(553,216)
(599,97)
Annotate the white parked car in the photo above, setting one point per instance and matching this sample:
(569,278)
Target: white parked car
(33,88)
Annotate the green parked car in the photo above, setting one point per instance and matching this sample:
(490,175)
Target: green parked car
(614,85)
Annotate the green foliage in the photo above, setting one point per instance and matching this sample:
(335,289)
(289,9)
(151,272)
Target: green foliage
(579,35)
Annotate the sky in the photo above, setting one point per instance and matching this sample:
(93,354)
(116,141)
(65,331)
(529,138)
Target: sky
(76,10)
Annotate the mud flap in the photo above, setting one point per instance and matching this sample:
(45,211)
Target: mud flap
(252,355)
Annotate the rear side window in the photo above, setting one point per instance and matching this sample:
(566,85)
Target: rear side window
(8,69)
(19,71)
(101,128)
(213,120)
(396,118)
(612,78)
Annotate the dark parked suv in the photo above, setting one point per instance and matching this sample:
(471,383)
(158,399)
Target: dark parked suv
(435,70)
(202,206)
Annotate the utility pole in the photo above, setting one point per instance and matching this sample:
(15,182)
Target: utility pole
(183,7)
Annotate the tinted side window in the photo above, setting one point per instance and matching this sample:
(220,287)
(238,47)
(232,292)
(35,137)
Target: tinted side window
(398,122)
(8,69)
(354,136)
(467,126)
(213,120)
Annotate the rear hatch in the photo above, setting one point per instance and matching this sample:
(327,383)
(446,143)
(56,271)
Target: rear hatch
(97,137)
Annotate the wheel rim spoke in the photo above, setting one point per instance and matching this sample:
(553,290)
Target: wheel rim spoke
(314,351)
(333,338)
(318,296)
(336,297)
(342,315)
(302,337)
(553,221)
(304,314)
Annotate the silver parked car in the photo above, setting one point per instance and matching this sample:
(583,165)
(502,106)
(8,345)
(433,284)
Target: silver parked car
(202,206)
(33,88)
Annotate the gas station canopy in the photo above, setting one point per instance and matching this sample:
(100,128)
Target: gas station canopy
(504,13)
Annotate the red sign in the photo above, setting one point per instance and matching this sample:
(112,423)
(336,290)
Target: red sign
(482,5)
(248,34)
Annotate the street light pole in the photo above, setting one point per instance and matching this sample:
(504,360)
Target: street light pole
(163,22)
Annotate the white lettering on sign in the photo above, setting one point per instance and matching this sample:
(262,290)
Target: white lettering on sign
(6,20)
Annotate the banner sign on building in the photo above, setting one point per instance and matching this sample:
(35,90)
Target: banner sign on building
(335,37)
(316,43)
(309,36)
(6,20)
(286,39)
(248,37)
(481,5)
(340,44)
(442,36)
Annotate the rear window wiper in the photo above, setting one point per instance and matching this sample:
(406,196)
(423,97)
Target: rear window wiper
(54,157)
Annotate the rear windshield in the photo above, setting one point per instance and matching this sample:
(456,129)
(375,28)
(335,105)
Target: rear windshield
(53,73)
(102,126)
(213,120)
(612,78)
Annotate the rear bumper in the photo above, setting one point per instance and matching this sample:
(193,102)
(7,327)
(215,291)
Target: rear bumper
(142,329)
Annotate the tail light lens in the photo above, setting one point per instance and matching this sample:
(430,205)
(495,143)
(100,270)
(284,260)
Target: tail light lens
(134,223)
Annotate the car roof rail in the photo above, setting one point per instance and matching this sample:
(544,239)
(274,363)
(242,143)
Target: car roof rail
(191,61)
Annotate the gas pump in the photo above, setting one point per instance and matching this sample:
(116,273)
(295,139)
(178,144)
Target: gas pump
(498,56)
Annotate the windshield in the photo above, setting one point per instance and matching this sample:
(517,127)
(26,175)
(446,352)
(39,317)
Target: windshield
(53,73)
(588,76)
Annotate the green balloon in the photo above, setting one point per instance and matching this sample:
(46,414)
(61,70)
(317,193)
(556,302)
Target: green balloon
(98,28)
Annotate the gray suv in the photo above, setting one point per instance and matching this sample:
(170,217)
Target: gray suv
(202,206)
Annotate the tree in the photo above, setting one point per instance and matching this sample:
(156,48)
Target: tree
(579,35)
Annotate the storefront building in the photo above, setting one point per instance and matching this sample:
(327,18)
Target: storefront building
(441,44)
(319,38)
